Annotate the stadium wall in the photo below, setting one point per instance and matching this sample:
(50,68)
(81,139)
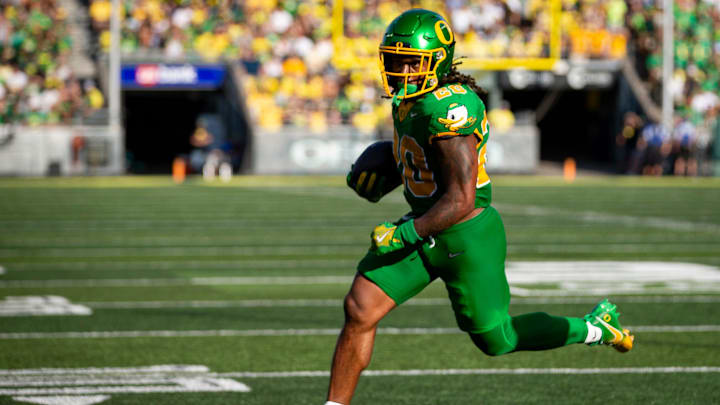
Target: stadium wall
(61,150)
(296,151)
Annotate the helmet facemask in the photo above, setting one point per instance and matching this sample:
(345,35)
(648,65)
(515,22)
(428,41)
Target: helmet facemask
(422,76)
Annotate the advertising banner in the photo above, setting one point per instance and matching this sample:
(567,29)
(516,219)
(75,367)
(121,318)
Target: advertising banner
(160,76)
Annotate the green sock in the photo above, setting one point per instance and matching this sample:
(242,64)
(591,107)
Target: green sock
(541,331)
(578,331)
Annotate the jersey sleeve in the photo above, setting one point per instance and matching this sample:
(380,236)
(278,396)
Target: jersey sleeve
(456,110)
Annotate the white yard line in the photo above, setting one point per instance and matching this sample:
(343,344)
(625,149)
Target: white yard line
(565,290)
(674,328)
(294,303)
(210,263)
(63,399)
(188,375)
(114,380)
(605,218)
(179,386)
(165,368)
(598,277)
(160,264)
(84,380)
(481,371)
(350,248)
(302,332)
(613,248)
(223,304)
(70,386)
(168,333)
(628,299)
(48,305)
(608,271)
(353,249)
(170,282)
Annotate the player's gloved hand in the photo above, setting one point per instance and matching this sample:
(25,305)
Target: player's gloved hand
(387,237)
(368,185)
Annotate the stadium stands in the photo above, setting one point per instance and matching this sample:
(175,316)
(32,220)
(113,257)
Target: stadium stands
(296,83)
(37,84)
(291,52)
(696,78)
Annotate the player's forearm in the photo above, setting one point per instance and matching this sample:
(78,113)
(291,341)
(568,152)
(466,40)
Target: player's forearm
(459,170)
(449,210)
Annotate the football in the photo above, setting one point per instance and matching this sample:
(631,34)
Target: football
(377,158)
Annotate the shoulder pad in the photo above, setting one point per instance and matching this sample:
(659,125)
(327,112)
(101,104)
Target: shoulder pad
(455,110)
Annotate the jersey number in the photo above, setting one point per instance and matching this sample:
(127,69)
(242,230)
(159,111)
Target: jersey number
(443,92)
(482,178)
(417,176)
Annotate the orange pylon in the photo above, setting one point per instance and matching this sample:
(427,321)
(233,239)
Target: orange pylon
(178,170)
(569,170)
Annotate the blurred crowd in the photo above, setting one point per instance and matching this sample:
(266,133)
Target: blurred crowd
(301,73)
(299,76)
(300,84)
(695,87)
(286,47)
(37,85)
(647,148)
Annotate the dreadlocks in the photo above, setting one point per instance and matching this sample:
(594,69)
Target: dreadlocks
(453,76)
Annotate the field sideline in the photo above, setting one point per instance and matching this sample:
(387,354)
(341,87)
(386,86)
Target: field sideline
(134,290)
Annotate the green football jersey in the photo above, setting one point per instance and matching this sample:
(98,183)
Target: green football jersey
(450,110)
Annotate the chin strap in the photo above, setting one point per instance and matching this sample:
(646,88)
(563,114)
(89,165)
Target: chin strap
(396,98)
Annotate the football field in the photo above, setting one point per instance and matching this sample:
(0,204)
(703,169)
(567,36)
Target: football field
(134,290)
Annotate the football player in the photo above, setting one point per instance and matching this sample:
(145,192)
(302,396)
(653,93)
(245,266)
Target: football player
(452,232)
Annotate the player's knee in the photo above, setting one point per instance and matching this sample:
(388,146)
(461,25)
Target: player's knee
(490,347)
(356,313)
(497,341)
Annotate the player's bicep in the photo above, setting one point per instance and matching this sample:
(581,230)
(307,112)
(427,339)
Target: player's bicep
(458,165)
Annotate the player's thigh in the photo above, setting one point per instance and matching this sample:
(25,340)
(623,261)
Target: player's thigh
(401,274)
(471,259)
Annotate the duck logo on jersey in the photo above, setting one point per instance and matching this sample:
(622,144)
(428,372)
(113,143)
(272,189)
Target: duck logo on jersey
(457,118)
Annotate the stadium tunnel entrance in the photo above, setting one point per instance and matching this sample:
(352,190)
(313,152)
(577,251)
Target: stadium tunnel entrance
(159,125)
(580,125)
(578,114)
(164,120)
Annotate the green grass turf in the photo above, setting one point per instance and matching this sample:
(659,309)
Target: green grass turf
(451,390)
(149,228)
(392,352)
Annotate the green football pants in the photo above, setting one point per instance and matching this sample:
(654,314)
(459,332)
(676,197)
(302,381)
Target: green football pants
(470,258)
